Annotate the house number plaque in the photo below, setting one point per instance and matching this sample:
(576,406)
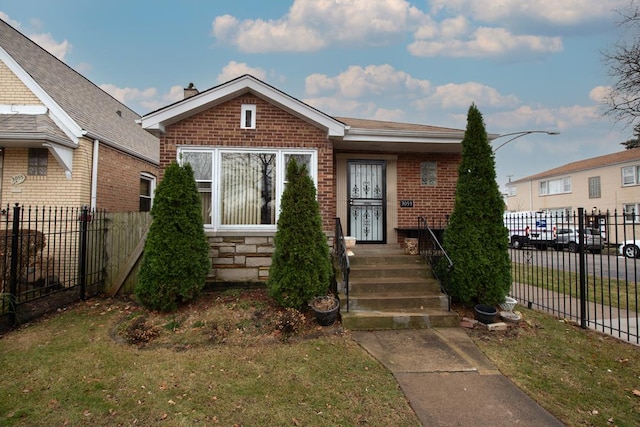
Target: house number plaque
(406,203)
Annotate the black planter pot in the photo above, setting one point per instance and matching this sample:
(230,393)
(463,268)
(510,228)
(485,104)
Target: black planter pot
(326,317)
(485,313)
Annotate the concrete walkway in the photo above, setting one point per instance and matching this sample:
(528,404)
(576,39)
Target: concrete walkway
(448,380)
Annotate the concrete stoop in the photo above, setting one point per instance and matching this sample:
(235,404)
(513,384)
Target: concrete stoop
(391,290)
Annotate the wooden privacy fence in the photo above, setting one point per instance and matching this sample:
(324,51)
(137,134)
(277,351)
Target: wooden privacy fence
(124,243)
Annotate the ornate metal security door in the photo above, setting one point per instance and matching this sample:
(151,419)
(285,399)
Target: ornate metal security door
(367,190)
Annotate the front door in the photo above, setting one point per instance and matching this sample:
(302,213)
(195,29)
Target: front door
(367,190)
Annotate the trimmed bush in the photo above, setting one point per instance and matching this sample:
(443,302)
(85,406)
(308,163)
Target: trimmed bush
(301,267)
(476,238)
(176,253)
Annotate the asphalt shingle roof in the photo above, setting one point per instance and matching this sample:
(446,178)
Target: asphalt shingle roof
(581,165)
(94,110)
(392,126)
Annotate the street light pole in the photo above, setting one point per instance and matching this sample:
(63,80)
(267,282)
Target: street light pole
(517,135)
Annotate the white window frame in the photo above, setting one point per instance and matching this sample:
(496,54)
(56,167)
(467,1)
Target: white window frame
(564,182)
(152,186)
(280,153)
(630,175)
(246,109)
(631,212)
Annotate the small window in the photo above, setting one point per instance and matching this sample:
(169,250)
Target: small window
(630,175)
(147,184)
(429,173)
(630,212)
(248,116)
(594,187)
(38,161)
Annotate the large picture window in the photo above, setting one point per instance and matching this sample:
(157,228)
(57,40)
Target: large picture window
(241,188)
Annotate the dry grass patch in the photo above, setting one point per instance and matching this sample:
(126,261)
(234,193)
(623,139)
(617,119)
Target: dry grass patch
(581,376)
(219,361)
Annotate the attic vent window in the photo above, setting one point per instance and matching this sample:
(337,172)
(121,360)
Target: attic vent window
(248,116)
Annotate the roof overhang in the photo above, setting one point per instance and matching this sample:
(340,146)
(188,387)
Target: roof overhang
(401,141)
(71,129)
(157,121)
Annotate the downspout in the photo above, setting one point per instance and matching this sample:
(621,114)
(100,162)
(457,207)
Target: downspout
(94,174)
(530,195)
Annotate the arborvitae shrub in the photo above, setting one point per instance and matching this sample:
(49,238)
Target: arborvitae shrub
(476,238)
(176,253)
(301,266)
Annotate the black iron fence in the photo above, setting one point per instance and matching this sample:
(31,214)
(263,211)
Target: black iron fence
(582,266)
(48,258)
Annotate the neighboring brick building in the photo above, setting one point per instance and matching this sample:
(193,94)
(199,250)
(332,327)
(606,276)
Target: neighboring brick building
(65,142)
(376,176)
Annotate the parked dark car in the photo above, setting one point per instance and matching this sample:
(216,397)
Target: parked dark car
(568,238)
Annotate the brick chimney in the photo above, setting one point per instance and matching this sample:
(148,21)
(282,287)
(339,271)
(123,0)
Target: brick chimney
(190,91)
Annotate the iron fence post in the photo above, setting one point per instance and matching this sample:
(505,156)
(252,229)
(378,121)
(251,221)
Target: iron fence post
(82,259)
(583,273)
(13,272)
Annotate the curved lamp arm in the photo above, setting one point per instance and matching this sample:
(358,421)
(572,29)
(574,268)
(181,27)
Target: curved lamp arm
(517,135)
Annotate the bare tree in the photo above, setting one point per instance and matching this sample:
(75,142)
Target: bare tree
(623,63)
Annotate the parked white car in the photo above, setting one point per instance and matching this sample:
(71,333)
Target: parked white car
(630,248)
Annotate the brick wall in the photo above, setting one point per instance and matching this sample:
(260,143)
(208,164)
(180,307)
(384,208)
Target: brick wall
(118,187)
(435,203)
(54,189)
(275,128)
(13,90)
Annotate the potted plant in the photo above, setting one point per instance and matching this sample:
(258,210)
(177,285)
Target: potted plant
(325,308)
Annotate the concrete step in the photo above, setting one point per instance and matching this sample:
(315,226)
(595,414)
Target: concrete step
(379,258)
(393,285)
(378,320)
(391,290)
(394,303)
(390,270)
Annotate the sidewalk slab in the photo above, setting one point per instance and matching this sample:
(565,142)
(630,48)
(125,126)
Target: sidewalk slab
(449,382)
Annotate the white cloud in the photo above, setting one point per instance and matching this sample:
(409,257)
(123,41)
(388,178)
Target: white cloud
(143,100)
(543,118)
(372,80)
(236,69)
(461,96)
(315,24)
(13,23)
(483,42)
(44,40)
(559,13)
(343,107)
(600,93)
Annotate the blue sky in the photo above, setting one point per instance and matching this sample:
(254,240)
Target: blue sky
(526,64)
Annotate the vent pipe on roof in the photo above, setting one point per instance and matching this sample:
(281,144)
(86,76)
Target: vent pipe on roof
(190,91)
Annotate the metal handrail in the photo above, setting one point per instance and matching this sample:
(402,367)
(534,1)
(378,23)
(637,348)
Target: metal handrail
(432,251)
(340,249)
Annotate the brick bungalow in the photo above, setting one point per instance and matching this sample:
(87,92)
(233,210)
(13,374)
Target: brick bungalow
(376,176)
(65,142)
